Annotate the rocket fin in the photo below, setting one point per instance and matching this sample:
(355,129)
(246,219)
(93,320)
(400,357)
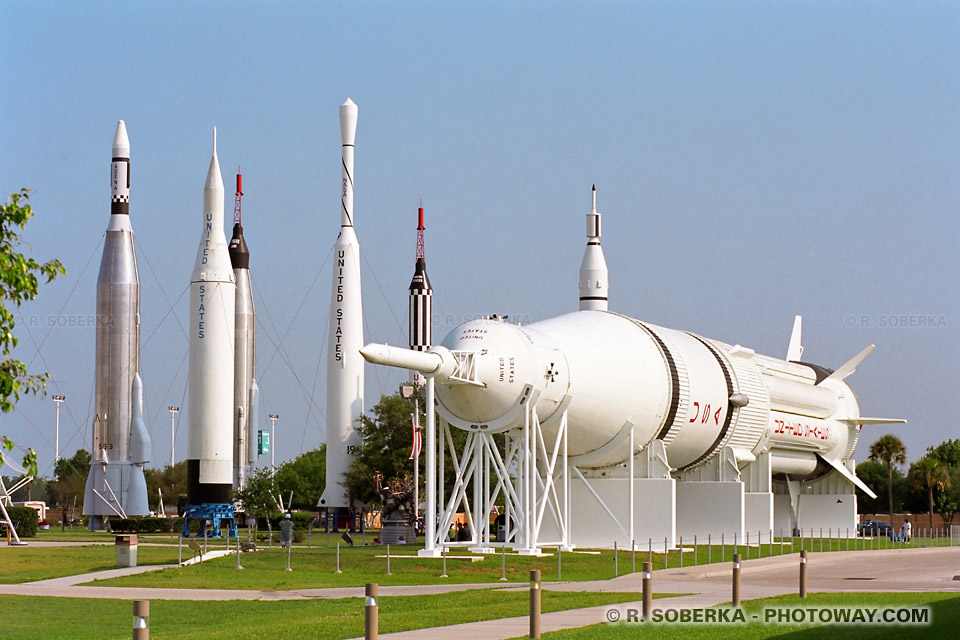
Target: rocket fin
(850,366)
(849,475)
(795,350)
(860,420)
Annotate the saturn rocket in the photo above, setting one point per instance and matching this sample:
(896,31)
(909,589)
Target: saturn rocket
(211,373)
(344,362)
(116,486)
(244,386)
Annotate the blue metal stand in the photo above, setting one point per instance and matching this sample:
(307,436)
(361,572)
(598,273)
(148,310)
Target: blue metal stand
(209,511)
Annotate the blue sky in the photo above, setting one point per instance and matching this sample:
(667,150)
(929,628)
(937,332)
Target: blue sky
(753,161)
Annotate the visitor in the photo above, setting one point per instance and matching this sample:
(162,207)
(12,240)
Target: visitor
(286,531)
(906,530)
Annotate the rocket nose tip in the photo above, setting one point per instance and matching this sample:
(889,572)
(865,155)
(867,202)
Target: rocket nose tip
(120,139)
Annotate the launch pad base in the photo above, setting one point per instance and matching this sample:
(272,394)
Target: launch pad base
(214,512)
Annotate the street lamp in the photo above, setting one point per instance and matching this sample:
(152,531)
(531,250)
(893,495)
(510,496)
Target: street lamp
(273,440)
(58,399)
(173,415)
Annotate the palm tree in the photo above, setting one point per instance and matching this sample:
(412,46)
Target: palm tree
(889,450)
(929,473)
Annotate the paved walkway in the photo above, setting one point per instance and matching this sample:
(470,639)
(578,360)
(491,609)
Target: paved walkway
(932,569)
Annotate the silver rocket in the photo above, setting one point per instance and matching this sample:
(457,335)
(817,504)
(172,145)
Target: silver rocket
(121,443)
(211,374)
(244,385)
(594,285)
(344,362)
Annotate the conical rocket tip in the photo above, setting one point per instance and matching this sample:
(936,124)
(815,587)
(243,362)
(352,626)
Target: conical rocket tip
(348,121)
(121,143)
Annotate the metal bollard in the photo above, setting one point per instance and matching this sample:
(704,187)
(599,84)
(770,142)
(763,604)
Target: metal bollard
(338,558)
(388,561)
(238,554)
(821,540)
(559,564)
(141,619)
(803,574)
(180,550)
(647,591)
(735,600)
(616,569)
(444,550)
(534,603)
(370,623)
(503,563)
(289,548)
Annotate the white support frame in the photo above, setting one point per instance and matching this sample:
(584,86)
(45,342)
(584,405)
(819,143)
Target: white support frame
(527,475)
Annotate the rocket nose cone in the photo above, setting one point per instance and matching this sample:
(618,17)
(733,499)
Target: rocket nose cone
(214,179)
(348,121)
(374,353)
(121,143)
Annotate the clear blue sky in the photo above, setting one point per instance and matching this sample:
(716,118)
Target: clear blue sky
(753,161)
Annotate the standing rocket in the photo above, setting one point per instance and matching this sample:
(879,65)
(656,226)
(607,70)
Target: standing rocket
(245,348)
(116,486)
(344,362)
(421,303)
(211,374)
(593,270)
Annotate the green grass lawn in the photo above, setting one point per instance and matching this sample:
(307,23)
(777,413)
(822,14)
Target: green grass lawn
(945,615)
(26,564)
(26,618)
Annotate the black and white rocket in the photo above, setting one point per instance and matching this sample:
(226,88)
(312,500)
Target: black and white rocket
(244,385)
(594,285)
(211,374)
(344,362)
(121,443)
(421,303)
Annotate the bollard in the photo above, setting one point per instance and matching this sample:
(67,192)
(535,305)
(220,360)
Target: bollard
(141,619)
(238,554)
(388,561)
(821,541)
(338,558)
(444,574)
(647,591)
(534,603)
(723,547)
(650,550)
(736,580)
(310,533)
(204,540)
(370,623)
(848,538)
(180,550)
(559,564)
(781,541)
(803,574)
(503,563)
(616,569)
(326,517)
(289,547)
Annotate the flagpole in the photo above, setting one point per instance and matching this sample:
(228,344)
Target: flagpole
(416,468)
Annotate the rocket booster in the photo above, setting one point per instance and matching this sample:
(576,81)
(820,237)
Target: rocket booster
(421,303)
(245,347)
(211,372)
(613,374)
(344,363)
(593,270)
(115,486)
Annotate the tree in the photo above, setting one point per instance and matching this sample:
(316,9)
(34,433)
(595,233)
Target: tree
(889,450)
(18,284)
(257,496)
(929,473)
(306,476)
(172,480)
(70,479)
(874,475)
(947,452)
(384,457)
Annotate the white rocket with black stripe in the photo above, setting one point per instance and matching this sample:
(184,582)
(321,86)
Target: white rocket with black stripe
(593,270)
(421,304)
(344,362)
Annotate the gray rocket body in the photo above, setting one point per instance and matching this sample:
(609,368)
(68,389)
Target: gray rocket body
(121,442)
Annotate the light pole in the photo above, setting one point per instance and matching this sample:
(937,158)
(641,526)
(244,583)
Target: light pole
(173,419)
(58,399)
(273,440)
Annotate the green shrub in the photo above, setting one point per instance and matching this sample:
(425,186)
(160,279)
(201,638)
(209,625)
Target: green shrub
(25,521)
(300,520)
(139,524)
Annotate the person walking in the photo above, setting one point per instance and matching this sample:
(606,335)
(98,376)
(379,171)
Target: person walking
(286,531)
